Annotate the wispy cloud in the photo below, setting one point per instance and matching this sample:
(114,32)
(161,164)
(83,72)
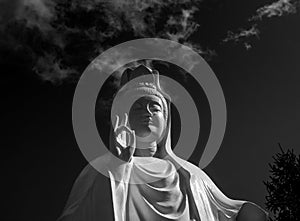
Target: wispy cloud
(279,8)
(51,69)
(275,9)
(183,25)
(69,34)
(36,13)
(242,34)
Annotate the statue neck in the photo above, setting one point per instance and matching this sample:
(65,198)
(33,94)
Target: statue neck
(145,149)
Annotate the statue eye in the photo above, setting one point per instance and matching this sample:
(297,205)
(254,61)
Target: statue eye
(155,108)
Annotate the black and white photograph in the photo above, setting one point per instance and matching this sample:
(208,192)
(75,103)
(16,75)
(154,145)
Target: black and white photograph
(150,110)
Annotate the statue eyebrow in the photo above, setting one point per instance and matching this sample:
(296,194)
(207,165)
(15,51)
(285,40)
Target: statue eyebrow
(155,102)
(142,103)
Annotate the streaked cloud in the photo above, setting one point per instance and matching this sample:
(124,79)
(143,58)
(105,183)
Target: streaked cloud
(36,13)
(242,34)
(69,34)
(51,69)
(279,8)
(276,9)
(183,25)
(62,37)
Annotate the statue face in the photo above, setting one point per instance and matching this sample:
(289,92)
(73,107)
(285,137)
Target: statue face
(146,118)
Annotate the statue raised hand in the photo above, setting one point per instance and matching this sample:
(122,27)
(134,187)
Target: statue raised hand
(124,139)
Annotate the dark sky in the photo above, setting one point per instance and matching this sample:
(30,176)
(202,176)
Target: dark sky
(261,86)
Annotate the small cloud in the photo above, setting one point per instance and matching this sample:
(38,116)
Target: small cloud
(36,13)
(50,69)
(275,9)
(279,8)
(242,34)
(247,46)
(183,25)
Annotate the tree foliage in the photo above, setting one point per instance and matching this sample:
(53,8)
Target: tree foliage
(283,199)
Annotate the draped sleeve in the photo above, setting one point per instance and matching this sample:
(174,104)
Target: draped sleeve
(88,198)
(97,196)
(212,203)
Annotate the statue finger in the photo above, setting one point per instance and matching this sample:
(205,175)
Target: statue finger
(118,151)
(123,120)
(116,123)
(126,119)
(133,139)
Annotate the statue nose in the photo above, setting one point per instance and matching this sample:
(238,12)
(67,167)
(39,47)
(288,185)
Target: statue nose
(148,110)
(146,113)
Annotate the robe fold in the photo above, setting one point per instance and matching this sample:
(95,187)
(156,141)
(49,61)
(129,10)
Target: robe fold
(183,194)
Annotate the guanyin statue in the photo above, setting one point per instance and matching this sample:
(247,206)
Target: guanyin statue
(144,179)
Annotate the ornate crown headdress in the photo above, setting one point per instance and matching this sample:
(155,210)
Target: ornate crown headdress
(143,81)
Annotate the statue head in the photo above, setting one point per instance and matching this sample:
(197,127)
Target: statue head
(142,98)
(145,102)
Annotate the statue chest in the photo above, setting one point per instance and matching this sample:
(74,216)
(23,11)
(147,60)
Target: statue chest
(154,192)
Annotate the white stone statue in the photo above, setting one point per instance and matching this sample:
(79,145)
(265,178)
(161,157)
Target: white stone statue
(144,179)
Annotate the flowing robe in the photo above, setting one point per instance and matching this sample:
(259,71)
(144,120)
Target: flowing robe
(183,193)
(163,199)
(186,193)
